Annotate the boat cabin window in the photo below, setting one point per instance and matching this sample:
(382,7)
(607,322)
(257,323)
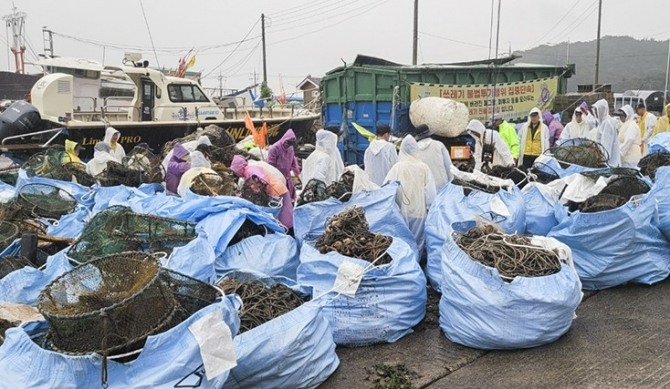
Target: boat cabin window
(186,93)
(81,73)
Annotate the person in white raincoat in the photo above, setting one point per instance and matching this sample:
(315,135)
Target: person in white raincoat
(606,132)
(434,154)
(325,163)
(100,158)
(579,127)
(199,165)
(629,138)
(417,187)
(116,150)
(533,139)
(380,155)
(190,146)
(501,154)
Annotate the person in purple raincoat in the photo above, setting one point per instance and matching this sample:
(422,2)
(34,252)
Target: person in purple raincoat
(555,127)
(282,156)
(178,165)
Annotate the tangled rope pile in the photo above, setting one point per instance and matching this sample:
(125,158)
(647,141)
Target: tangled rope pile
(652,162)
(261,302)
(314,191)
(470,185)
(581,152)
(511,255)
(348,233)
(342,188)
(214,184)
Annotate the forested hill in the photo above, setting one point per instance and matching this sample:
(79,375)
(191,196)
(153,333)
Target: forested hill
(625,62)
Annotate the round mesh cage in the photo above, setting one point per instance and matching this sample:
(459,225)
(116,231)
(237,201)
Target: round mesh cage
(107,304)
(78,171)
(612,171)
(45,200)
(543,173)
(649,164)
(9,175)
(509,173)
(212,184)
(343,188)
(626,187)
(602,202)
(581,152)
(48,163)
(191,294)
(470,185)
(9,264)
(314,191)
(8,232)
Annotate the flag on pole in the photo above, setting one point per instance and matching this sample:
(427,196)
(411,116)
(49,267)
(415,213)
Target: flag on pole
(282,93)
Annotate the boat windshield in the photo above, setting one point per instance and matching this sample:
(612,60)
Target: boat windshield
(186,93)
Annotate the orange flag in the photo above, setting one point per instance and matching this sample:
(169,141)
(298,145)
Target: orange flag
(262,136)
(259,136)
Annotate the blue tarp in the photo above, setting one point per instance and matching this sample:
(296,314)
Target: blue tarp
(540,204)
(479,309)
(452,205)
(659,143)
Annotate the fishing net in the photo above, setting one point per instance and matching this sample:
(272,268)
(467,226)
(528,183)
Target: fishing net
(191,294)
(223,147)
(133,174)
(581,152)
(225,155)
(348,233)
(77,171)
(45,200)
(650,164)
(214,184)
(626,187)
(543,173)
(470,185)
(107,304)
(601,202)
(10,175)
(141,159)
(48,163)
(314,191)
(343,188)
(509,173)
(261,302)
(248,229)
(8,232)
(118,229)
(9,264)
(256,192)
(511,255)
(612,171)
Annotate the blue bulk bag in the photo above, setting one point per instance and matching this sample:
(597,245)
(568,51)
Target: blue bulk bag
(390,300)
(451,205)
(620,245)
(294,350)
(479,309)
(660,143)
(540,202)
(171,359)
(381,212)
(272,254)
(661,192)
(23,286)
(551,165)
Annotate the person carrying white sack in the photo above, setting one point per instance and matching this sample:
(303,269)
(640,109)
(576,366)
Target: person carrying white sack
(324,163)
(489,145)
(112,136)
(199,165)
(630,139)
(380,155)
(606,132)
(417,188)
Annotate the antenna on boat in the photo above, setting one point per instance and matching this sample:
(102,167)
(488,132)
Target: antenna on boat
(146,22)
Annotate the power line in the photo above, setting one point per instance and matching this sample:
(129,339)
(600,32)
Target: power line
(289,10)
(309,13)
(555,25)
(578,21)
(351,10)
(236,47)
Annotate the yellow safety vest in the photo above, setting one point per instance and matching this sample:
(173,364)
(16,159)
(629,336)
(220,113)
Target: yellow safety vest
(533,143)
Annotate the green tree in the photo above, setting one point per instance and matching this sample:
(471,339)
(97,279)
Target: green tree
(266,92)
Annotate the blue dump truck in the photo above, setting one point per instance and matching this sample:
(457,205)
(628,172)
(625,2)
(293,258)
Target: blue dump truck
(373,91)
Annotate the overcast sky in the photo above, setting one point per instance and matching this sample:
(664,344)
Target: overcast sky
(313,36)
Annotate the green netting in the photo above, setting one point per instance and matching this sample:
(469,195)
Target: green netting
(652,162)
(8,232)
(580,152)
(44,200)
(118,229)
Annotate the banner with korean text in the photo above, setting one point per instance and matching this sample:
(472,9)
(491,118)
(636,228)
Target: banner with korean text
(513,101)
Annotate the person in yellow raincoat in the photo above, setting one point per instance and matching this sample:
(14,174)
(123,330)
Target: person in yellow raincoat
(72,150)
(663,123)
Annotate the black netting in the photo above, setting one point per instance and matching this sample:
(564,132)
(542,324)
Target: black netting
(8,232)
(581,152)
(45,200)
(9,264)
(118,229)
(543,173)
(314,191)
(612,171)
(191,294)
(77,171)
(214,184)
(601,202)
(509,173)
(48,163)
(248,229)
(342,188)
(256,192)
(223,147)
(106,304)
(470,185)
(626,187)
(650,164)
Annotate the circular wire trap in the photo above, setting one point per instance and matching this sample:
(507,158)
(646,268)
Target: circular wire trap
(213,184)
(46,200)
(602,202)
(9,264)
(8,232)
(107,304)
(626,187)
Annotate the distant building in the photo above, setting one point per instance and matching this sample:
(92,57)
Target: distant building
(310,88)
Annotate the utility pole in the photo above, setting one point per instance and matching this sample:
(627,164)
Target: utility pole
(495,66)
(16,22)
(667,69)
(415,44)
(220,77)
(265,64)
(600,14)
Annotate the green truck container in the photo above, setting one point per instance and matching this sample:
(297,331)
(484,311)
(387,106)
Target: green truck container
(373,91)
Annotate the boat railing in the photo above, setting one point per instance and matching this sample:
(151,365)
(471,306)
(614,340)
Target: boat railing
(56,131)
(257,112)
(89,103)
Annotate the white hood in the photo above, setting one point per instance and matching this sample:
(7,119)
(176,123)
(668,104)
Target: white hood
(376,146)
(109,133)
(602,110)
